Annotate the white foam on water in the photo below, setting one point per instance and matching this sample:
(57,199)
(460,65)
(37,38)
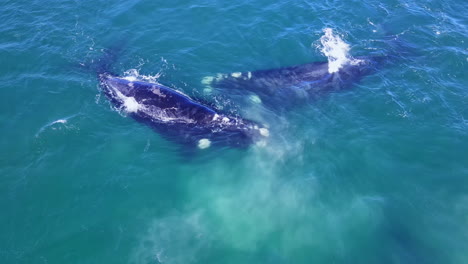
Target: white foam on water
(130,78)
(336,50)
(52,124)
(134,75)
(60,121)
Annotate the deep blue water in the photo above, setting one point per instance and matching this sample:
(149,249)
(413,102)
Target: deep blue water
(377,173)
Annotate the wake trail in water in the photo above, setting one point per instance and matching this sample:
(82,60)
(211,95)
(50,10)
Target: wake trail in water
(135,75)
(63,122)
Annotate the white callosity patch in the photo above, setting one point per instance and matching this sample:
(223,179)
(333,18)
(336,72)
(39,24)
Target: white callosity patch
(264,132)
(254,98)
(236,74)
(204,143)
(220,76)
(336,50)
(206,81)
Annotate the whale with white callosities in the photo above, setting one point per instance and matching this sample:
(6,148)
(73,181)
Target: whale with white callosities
(178,117)
(284,87)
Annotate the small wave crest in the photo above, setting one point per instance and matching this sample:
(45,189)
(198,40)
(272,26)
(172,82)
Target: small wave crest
(336,50)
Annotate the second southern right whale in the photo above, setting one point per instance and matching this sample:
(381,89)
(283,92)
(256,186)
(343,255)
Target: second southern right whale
(289,85)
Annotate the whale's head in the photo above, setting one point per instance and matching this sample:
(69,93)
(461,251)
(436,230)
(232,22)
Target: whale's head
(117,85)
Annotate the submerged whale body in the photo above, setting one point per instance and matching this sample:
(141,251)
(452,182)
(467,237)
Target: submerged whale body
(286,86)
(178,117)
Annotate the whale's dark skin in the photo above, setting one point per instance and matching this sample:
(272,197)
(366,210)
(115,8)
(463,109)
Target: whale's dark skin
(288,86)
(177,116)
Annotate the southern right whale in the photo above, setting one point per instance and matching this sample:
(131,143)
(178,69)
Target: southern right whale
(174,115)
(289,86)
(177,116)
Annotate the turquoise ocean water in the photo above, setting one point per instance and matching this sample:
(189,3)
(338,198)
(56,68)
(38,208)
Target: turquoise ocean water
(374,174)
